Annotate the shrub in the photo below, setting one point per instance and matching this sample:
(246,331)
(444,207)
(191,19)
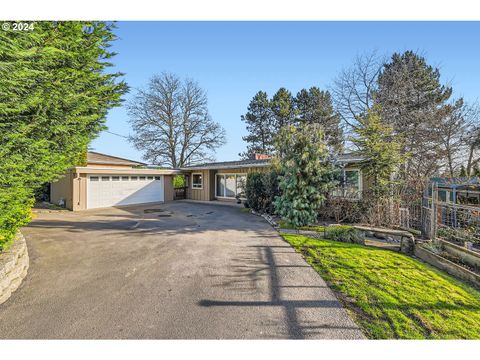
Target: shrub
(15,205)
(55,92)
(345,234)
(306,173)
(261,190)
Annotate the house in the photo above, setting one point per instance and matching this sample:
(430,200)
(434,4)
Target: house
(108,180)
(226,180)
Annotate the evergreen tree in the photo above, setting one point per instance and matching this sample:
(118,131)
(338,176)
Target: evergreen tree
(414,102)
(463,172)
(315,106)
(306,173)
(54,96)
(381,152)
(260,126)
(283,108)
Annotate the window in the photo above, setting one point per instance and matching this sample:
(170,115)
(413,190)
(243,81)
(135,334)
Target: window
(157,177)
(220,185)
(141,178)
(349,184)
(93,178)
(230,185)
(197,181)
(124,178)
(134,178)
(115,178)
(352,183)
(105,178)
(149,177)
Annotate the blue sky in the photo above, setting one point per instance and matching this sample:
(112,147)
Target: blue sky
(234,60)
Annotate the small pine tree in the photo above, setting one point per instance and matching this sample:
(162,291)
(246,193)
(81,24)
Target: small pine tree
(381,152)
(463,172)
(306,173)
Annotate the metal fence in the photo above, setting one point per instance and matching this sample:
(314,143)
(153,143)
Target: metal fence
(436,218)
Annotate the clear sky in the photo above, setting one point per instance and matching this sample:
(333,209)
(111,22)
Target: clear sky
(234,60)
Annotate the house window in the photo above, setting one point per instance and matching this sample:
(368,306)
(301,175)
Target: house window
(124,178)
(230,185)
(350,184)
(157,177)
(115,178)
(93,178)
(149,177)
(197,181)
(142,178)
(105,178)
(134,178)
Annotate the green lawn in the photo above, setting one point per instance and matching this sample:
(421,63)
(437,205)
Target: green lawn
(391,295)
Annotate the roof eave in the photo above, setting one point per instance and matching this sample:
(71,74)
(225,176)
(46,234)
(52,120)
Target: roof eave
(237,166)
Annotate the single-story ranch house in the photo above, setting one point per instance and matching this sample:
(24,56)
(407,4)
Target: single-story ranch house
(112,181)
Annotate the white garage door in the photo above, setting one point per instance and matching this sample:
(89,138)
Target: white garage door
(105,191)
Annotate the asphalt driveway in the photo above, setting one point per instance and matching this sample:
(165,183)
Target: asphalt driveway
(178,270)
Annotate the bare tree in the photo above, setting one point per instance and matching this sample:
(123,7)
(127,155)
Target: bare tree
(171,123)
(472,137)
(354,88)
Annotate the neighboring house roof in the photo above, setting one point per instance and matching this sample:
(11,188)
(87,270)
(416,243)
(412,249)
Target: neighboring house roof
(99,158)
(343,158)
(457,183)
(229,164)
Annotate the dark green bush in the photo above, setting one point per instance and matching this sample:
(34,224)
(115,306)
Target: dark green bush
(261,190)
(344,233)
(54,95)
(255,191)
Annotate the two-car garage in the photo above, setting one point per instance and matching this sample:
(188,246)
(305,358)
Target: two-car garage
(106,190)
(108,181)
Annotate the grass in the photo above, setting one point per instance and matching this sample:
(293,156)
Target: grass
(285,225)
(391,295)
(245,210)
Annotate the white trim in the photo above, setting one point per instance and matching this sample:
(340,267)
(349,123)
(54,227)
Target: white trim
(194,187)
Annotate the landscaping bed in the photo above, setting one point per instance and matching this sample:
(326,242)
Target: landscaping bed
(391,295)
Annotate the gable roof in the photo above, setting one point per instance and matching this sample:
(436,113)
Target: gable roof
(99,158)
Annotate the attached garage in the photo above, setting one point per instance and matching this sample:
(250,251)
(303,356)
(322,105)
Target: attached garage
(111,181)
(105,190)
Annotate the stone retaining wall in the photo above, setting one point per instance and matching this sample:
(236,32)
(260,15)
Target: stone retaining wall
(13,267)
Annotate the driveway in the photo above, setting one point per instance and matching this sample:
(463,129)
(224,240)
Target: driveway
(178,270)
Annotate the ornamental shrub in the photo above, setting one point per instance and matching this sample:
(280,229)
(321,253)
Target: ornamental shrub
(307,173)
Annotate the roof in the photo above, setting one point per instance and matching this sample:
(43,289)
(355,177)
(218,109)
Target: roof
(99,158)
(342,158)
(349,158)
(229,164)
(456,183)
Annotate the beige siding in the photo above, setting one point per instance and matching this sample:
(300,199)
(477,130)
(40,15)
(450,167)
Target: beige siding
(80,192)
(169,192)
(62,190)
(203,193)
